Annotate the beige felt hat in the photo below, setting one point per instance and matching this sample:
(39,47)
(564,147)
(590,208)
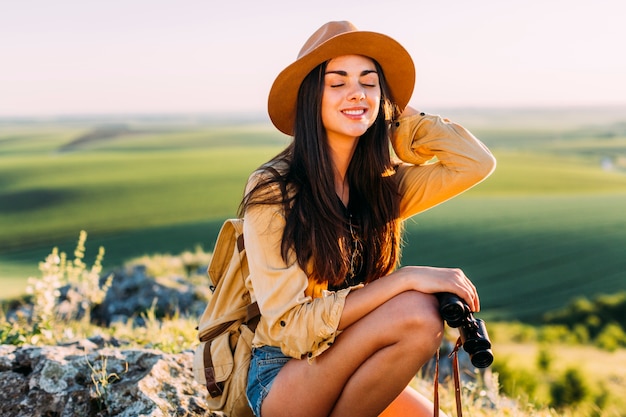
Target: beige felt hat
(332,40)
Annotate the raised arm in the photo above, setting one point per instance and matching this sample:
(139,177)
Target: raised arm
(441,160)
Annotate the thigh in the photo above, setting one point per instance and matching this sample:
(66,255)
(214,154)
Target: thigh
(265,364)
(311,389)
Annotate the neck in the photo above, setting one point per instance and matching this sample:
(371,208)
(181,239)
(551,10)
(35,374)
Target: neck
(342,189)
(341,155)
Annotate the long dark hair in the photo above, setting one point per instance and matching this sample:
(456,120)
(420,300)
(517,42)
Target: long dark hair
(316,228)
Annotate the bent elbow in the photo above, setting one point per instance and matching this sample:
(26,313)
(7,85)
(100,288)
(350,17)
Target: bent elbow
(488,165)
(482,169)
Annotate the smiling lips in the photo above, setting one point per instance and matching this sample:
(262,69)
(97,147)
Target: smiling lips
(354,112)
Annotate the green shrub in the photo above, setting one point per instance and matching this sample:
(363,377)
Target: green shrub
(569,390)
(42,324)
(512,332)
(581,333)
(515,382)
(545,357)
(594,315)
(12,333)
(554,334)
(611,338)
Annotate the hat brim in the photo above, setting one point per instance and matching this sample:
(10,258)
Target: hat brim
(395,61)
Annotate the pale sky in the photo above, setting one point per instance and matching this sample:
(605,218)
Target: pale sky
(65,57)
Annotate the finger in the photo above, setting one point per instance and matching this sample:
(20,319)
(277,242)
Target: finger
(474,300)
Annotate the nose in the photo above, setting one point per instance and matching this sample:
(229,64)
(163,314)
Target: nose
(357,93)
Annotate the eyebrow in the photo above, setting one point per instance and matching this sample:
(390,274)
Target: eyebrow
(345,74)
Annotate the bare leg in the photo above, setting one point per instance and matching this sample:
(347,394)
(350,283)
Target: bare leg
(369,365)
(410,403)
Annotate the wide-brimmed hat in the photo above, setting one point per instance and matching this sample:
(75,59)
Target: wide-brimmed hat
(332,40)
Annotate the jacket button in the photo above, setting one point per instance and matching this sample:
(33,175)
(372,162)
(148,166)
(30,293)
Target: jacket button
(397,124)
(282,323)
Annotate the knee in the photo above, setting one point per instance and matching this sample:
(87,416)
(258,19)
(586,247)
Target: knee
(418,319)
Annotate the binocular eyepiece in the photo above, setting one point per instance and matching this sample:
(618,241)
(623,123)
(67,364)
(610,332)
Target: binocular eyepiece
(473,332)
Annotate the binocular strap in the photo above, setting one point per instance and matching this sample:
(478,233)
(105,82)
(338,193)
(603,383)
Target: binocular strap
(457,380)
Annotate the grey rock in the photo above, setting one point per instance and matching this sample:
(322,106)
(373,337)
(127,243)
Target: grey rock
(86,380)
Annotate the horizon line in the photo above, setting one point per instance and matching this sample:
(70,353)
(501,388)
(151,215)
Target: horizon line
(256,114)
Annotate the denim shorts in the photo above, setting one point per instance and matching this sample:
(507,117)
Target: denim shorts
(265,364)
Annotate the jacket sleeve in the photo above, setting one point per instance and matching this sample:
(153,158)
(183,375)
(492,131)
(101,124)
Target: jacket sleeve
(441,160)
(299,324)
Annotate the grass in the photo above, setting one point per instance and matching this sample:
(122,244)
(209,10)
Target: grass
(118,191)
(602,371)
(522,173)
(527,255)
(161,190)
(547,226)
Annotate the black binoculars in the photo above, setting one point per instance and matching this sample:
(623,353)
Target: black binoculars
(473,332)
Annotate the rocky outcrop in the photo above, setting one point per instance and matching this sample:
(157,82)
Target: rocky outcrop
(133,291)
(87,379)
(105,377)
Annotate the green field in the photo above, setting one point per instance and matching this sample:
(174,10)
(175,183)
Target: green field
(549,225)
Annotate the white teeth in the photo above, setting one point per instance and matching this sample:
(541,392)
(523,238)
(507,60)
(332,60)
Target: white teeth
(354,112)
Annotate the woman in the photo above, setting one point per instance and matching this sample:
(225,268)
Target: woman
(342,333)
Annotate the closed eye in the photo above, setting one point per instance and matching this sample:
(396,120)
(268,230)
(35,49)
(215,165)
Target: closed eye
(367,78)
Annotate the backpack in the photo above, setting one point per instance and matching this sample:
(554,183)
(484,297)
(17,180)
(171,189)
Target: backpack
(226,327)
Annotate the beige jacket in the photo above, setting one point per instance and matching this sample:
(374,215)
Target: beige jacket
(300,316)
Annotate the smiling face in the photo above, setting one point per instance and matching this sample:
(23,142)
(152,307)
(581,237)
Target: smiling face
(351,97)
